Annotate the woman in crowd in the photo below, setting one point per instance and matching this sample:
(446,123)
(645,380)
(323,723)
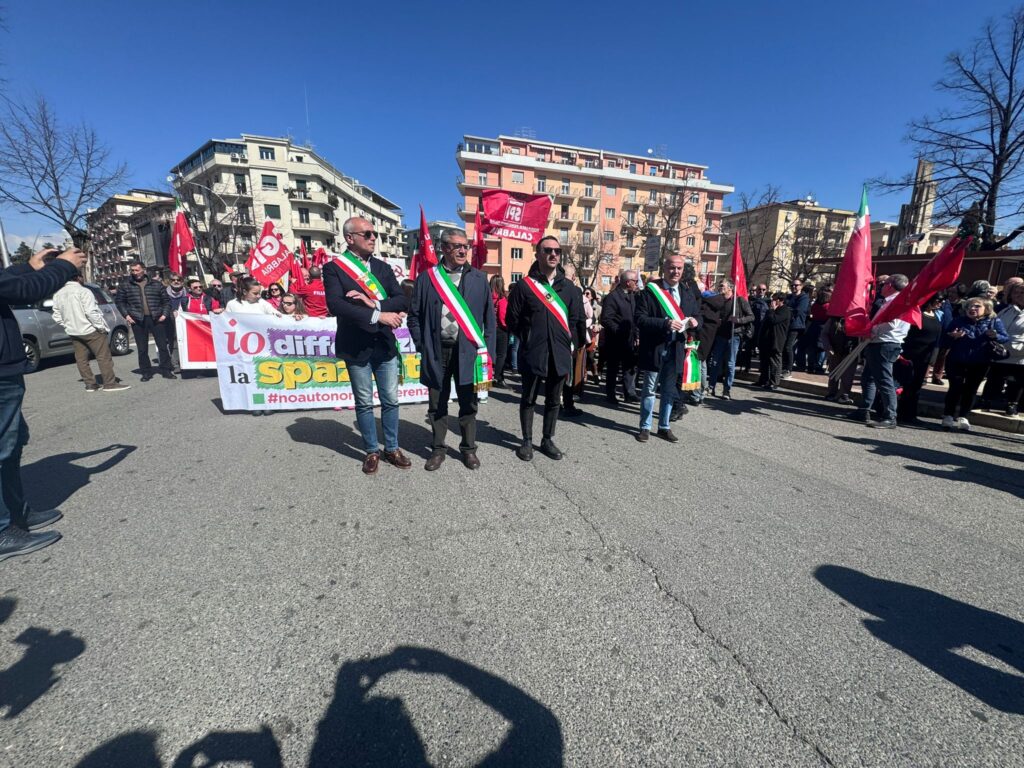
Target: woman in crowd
(500,296)
(250,300)
(1010,369)
(292,305)
(592,313)
(274,294)
(918,348)
(971,353)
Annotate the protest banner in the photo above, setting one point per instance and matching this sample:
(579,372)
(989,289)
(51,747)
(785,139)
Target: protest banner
(515,216)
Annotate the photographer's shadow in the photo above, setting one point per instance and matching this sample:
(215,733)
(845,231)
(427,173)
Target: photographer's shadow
(361,728)
(57,478)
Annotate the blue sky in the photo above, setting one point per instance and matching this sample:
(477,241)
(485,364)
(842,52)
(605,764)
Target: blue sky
(811,96)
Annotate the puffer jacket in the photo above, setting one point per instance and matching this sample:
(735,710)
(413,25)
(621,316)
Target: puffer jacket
(973,348)
(129,299)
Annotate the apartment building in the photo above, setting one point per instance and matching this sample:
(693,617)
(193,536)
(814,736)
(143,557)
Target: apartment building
(783,240)
(111,240)
(231,186)
(608,208)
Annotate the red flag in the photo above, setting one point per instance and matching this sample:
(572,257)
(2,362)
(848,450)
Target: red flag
(851,297)
(305,254)
(181,242)
(320,257)
(227,267)
(515,216)
(296,280)
(738,272)
(479,246)
(425,256)
(269,260)
(708,281)
(937,275)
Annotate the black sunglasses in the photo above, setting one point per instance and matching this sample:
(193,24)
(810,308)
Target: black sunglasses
(555,251)
(367,235)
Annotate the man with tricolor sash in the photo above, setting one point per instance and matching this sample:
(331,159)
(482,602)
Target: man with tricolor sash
(665,311)
(545,310)
(452,323)
(364,295)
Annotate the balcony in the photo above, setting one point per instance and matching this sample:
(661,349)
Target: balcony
(564,194)
(315,225)
(713,212)
(652,203)
(590,194)
(631,202)
(566,218)
(627,250)
(466,215)
(473,182)
(308,196)
(586,246)
(588,223)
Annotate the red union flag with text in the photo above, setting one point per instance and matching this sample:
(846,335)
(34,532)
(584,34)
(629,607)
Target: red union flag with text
(270,259)
(515,216)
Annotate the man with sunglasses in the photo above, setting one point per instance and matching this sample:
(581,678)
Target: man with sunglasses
(799,304)
(452,311)
(364,295)
(759,306)
(545,310)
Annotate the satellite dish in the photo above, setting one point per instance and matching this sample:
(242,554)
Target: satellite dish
(650,151)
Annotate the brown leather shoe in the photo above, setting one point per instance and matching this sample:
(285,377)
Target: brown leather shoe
(371,463)
(396,458)
(470,460)
(435,461)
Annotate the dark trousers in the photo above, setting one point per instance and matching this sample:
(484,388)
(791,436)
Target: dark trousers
(552,384)
(789,348)
(770,361)
(95,342)
(964,380)
(142,330)
(877,377)
(906,407)
(13,438)
(618,361)
(844,385)
(500,353)
(1010,373)
(437,406)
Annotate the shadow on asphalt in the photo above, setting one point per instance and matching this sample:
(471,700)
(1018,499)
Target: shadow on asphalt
(967,469)
(57,478)
(940,633)
(366,729)
(29,678)
(326,433)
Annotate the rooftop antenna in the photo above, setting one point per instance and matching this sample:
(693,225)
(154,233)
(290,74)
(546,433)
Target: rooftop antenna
(525,132)
(309,136)
(660,151)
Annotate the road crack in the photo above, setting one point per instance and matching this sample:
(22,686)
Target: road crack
(747,671)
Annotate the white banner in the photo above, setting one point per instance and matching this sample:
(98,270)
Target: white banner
(278,363)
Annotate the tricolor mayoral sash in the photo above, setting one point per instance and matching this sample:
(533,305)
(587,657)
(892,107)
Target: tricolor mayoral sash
(483,371)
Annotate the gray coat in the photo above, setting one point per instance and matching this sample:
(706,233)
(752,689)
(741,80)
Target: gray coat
(424,324)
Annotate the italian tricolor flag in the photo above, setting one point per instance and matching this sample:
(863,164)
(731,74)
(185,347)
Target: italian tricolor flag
(851,297)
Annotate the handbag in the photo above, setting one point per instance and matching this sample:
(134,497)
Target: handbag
(996,351)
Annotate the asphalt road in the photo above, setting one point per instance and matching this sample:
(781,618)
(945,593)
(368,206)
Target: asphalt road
(781,588)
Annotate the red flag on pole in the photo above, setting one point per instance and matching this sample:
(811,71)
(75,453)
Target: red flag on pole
(708,280)
(269,260)
(305,254)
(514,215)
(181,241)
(320,257)
(738,272)
(479,246)
(296,280)
(937,275)
(425,256)
(851,297)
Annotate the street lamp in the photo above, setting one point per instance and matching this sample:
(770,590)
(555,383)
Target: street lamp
(178,180)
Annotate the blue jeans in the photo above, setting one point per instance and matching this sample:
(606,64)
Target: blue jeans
(877,377)
(512,361)
(723,351)
(662,382)
(362,377)
(13,438)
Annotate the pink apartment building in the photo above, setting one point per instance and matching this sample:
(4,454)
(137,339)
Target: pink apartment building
(608,209)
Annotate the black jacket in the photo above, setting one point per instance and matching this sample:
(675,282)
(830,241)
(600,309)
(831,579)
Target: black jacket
(713,309)
(652,324)
(617,313)
(744,318)
(21,284)
(425,325)
(540,335)
(357,338)
(129,299)
(800,304)
(775,329)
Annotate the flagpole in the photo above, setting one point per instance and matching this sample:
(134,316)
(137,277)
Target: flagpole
(847,361)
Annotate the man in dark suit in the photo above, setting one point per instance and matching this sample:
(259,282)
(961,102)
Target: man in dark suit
(446,351)
(545,311)
(663,343)
(799,304)
(773,340)
(364,295)
(618,338)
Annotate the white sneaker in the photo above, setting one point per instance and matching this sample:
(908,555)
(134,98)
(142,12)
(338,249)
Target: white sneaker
(948,422)
(963,424)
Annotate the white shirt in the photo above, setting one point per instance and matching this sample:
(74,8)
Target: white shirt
(75,308)
(259,307)
(893,332)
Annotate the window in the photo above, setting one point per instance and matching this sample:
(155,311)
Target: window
(268,181)
(563,236)
(308,241)
(610,189)
(631,217)
(590,162)
(303,215)
(609,236)
(517,253)
(266,153)
(243,215)
(606,280)
(653,171)
(632,167)
(565,186)
(513,150)
(272,211)
(588,214)
(517,276)
(691,240)
(588,189)
(609,213)
(710,206)
(517,177)
(564,214)
(691,220)
(632,194)
(542,183)
(300,184)
(240,186)
(481,178)
(586,237)
(695,199)
(298,158)
(629,240)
